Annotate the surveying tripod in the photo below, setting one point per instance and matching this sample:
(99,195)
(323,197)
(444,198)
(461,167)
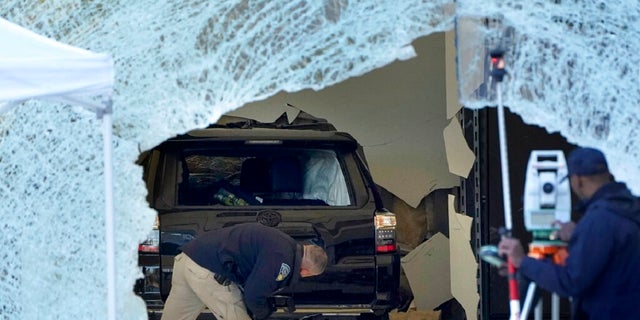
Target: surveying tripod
(544,249)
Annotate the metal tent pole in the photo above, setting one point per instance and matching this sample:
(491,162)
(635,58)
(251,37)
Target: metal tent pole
(105,114)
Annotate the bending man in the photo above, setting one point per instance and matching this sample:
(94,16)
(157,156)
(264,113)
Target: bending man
(215,269)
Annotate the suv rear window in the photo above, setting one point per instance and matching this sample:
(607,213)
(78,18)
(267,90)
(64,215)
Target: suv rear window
(259,176)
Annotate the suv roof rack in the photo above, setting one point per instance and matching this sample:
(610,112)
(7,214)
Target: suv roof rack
(303,121)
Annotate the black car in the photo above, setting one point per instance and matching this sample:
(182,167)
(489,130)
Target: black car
(305,179)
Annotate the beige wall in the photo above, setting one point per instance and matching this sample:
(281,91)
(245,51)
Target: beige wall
(398,113)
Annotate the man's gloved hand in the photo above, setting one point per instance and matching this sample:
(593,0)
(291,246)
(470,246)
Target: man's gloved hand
(264,314)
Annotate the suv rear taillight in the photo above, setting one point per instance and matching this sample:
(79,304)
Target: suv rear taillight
(385,223)
(152,243)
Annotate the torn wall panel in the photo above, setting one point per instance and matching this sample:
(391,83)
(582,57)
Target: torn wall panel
(463,263)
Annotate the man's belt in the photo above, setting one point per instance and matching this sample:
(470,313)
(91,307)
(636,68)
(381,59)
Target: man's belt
(222,280)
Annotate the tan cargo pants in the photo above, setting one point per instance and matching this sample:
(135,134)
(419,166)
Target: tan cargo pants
(193,287)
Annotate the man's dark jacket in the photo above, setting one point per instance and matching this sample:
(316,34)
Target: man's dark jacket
(602,272)
(260,259)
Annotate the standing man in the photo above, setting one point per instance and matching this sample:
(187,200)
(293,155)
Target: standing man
(233,271)
(602,272)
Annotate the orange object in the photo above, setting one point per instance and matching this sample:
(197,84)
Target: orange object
(544,250)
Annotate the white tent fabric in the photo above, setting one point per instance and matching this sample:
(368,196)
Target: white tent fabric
(33,66)
(36,67)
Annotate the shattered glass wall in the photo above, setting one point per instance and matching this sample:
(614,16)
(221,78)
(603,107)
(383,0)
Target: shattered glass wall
(573,68)
(179,65)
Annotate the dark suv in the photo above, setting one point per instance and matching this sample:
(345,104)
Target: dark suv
(305,179)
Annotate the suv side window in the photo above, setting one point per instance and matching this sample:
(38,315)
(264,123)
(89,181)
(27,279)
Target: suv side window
(300,177)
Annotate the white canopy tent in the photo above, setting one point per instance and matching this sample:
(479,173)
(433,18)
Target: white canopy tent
(36,67)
